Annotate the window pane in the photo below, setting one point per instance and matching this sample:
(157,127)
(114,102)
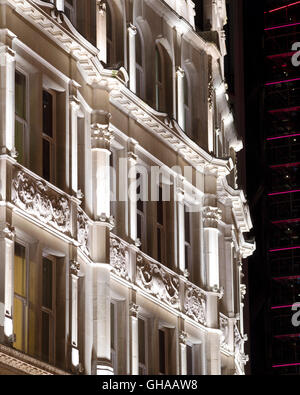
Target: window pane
(109,23)
(20,275)
(47,283)
(19,324)
(139,226)
(47,114)
(142,338)
(138,44)
(45,336)
(189,356)
(187,226)
(20,90)
(112,325)
(158,244)
(19,141)
(46,160)
(160,208)
(162,352)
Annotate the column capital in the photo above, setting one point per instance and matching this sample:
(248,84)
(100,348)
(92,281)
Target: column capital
(7,232)
(6,54)
(132,30)
(180,72)
(133,310)
(133,158)
(74,268)
(182,337)
(100,134)
(211,217)
(101,7)
(73,93)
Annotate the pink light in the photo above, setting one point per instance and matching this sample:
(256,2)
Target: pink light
(281,8)
(285,110)
(285,249)
(286,365)
(281,55)
(283,137)
(283,193)
(281,307)
(285,336)
(286,278)
(281,82)
(285,165)
(286,221)
(282,26)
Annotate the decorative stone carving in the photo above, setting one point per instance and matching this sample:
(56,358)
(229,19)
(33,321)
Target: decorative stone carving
(37,199)
(210,84)
(158,282)
(211,216)
(101,7)
(74,268)
(134,309)
(182,337)
(224,327)
(83,231)
(7,231)
(119,258)
(195,304)
(243,289)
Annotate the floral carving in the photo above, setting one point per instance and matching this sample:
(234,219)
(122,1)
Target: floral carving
(224,327)
(195,304)
(83,231)
(158,282)
(119,258)
(37,199)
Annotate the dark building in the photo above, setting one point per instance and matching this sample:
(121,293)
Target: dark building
(273,157)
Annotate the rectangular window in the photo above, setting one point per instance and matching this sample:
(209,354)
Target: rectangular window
(187,239)
(162,351)
(189,358)
(142,347)
(140,212)
(20,116)
(48,136)
(48,310)
(20,298)
(113,335)
(70,11)
(160,229)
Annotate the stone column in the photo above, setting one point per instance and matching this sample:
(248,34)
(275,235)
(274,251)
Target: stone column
(74,108)
(7,95)
(180,75)
(132,31)
(180,225)
(183,353)
(211,218)
(101,30)
(74,275)
(134,338)
(100,241)
(6,282)
(132,186)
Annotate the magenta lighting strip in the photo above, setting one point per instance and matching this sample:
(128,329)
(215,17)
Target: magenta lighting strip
(285,165)
(282,8)
(281,82)
(286,221)
(286,365)
(282,307)
(283,193)
(281,55)
(283,137)
(285,249)
(281,26)
(286,278)
(292,335)
(296,108)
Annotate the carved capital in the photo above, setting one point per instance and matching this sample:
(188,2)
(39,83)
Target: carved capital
(74,268)
(101,7)
(132,30)
(100,133)
(180,72)
(134,310)
(211,217)
(182,337)
(133,158)
(7,55)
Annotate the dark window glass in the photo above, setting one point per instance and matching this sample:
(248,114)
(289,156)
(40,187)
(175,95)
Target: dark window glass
(139,60)
(162,352)
(47,114)
(187,257)
(159,244)
(160,208)
(112,325)
(45,337)
(20,90)
(109,28)
(47,283)
(139,226)
(187,226)
(142,339)
(189,357)
(46,160)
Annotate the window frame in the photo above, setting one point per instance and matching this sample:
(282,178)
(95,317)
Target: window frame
(161,228)
(166,340)
(24,122)
(49,139)
(50,312)
(188,245)
(141,67)
(114,351)
(144,367)
(73,11)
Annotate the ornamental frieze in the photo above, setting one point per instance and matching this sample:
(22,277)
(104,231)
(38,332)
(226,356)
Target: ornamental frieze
(37,199)
(195,304)
(154,279)
(119,258)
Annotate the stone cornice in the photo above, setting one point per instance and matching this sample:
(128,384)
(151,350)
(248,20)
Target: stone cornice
(25,364)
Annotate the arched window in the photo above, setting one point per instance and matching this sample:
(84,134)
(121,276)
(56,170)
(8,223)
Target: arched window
(163,81)
(109,35)
(139,66)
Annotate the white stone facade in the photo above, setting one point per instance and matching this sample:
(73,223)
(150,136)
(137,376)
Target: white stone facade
(143,89)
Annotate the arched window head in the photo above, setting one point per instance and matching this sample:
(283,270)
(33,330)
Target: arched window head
(163,81)
(139,66)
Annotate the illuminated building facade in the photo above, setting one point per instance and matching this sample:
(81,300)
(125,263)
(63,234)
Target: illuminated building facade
(98,98)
